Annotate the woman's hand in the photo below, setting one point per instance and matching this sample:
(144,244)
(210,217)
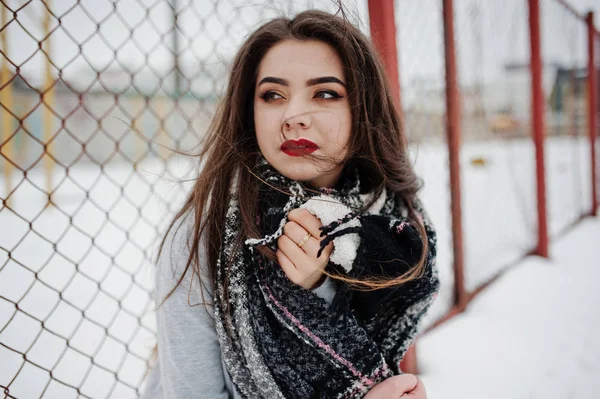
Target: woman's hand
(399,387)
(297,250)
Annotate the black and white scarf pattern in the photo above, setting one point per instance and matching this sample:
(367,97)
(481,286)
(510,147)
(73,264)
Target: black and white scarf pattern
(280,340)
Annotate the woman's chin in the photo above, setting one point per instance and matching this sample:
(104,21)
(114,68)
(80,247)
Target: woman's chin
(312,178)
(304,170)
(295,174)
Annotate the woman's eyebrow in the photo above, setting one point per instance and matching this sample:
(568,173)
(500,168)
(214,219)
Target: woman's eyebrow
(324,79)
(271,79)
(310,82)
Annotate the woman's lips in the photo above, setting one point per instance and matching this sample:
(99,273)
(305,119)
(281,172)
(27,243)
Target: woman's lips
(297,148)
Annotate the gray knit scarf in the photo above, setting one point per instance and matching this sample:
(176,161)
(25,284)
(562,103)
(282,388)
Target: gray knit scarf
(282,341)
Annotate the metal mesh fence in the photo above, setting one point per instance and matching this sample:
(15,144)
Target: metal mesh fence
(93,96)
(497,155)
(98,96)
(497,151)
(568,151)
(420,39)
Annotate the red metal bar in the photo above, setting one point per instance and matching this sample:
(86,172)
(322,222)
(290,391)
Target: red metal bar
(383,34)
(571,9)
(537,108)
(409,362)
(592,99)
(455,311)
(470,296)
(453,137)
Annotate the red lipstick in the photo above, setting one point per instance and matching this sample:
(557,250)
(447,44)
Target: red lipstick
(297,148)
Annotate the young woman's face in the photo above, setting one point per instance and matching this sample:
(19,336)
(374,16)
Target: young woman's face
(301,107)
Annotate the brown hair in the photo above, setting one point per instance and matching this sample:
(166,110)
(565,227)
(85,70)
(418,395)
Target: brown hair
(230,148)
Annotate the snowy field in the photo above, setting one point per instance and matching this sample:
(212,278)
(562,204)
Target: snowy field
(532,335)
(95,249)
(499,203)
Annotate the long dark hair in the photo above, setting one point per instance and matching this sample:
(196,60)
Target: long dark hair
(230,149)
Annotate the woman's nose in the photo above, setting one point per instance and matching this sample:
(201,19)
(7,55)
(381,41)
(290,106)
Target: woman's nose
(297,116)
(300,121)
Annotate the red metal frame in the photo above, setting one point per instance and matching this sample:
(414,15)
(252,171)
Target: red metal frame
(537,108)
(453,132)
(383,35)
(592,101)
(571,9)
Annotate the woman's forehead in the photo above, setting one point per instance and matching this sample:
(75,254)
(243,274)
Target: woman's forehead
(295,61)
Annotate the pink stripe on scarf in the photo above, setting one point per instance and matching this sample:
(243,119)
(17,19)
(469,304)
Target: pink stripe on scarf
(318,340)
(370,382)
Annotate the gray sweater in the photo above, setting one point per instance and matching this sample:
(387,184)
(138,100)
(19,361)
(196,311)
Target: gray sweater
(189,362)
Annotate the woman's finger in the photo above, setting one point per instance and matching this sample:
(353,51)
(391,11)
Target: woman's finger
(311,224)
(307,220)
(304,262)
(405,382)
(295,254)
(393,387)
(287,265)
(297,265)
(419,392)
(297,234)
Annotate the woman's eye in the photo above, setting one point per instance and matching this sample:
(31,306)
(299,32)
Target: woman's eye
(327,95)
(271,95)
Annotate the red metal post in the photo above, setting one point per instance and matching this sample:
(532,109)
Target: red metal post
(453,137)
(592,101)
(409,362)
(537,107)
(383,35)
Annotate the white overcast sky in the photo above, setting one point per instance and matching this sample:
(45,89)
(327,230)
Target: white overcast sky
(490,34)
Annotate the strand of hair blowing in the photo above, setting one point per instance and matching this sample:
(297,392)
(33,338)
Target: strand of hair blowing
(230,149)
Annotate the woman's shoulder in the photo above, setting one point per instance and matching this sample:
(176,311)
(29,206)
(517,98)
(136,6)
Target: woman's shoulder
(174,244)
(173,258)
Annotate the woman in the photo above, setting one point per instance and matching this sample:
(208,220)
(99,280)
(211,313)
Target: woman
(302,243)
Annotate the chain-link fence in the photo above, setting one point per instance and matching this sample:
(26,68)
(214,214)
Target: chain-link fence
(97,99)
(497,152)
(566,90)
(499,203)
(420,39)
(498,156)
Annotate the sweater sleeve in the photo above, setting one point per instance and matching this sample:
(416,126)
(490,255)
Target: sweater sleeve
(326,290)
(189,355)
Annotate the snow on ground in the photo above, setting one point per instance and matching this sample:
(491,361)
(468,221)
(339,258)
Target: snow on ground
(499,203)
(532,334)
(96,247)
